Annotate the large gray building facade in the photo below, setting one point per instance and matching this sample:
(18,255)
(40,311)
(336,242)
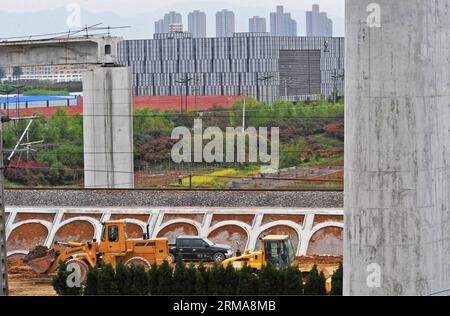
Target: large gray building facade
(251,64)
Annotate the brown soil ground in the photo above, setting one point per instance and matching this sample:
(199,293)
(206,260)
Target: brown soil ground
(23,281)
(326,264)
(163,178)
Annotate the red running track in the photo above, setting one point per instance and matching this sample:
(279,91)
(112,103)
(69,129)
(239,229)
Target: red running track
(153,103)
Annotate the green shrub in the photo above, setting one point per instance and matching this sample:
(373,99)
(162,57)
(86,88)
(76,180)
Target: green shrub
(192,280)
(124,279)
(59,282)
(203,276)
(153,279)
(139,281)
(247,282)
(200,284)
(91,282)
(217,280)
(315,284)
(232,281)
(292,281)
(106,281)
(269,280)
(336,281)
(179,278)
(165,279)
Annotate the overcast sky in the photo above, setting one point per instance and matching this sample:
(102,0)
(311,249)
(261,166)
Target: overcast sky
(131,7)
(28,17)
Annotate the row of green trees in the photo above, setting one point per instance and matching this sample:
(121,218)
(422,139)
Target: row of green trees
(59,160)
(197,280)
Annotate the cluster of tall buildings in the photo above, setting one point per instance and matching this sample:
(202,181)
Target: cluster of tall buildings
(281,23)
(171,23)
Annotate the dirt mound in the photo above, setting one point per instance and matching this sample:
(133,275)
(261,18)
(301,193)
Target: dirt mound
(319,260)
(327,264)
(38,252)
(16,265)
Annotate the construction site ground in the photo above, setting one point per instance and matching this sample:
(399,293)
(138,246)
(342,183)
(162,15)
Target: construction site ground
(23,281)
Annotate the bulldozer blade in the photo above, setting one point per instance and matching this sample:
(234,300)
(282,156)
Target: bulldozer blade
(40,259)
(41,265)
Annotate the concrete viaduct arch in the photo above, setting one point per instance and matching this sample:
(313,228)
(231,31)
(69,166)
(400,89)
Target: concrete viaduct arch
(252,230)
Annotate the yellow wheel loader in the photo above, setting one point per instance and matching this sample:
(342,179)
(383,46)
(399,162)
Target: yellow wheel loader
(275,249)
(113,247)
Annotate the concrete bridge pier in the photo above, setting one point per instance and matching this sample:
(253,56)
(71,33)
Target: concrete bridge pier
(397,154)
(108,127)
(3,253)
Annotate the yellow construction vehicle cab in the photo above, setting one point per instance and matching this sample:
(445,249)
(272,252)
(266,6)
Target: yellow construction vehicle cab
(275,249)
(114,246)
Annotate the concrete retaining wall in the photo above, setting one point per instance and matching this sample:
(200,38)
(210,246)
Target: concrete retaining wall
(314,220)
(313,231)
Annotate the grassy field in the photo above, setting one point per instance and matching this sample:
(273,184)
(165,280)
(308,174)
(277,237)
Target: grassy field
(45,92)
(218,179)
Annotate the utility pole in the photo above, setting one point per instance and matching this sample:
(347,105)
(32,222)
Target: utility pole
(243,111)
(287,81)
(285,89)
(17,88)
(262,79)
(3,253)
(197,90)
(335,78)
(187,93)
(184,82)
(7,91)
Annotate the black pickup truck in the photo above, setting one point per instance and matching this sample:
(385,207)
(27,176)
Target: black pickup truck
(192,248)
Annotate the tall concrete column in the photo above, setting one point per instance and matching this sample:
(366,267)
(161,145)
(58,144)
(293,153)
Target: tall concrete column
(108,127)
(397,161)
(3,252)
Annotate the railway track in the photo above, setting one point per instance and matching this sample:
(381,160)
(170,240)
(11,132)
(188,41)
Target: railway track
(174,189)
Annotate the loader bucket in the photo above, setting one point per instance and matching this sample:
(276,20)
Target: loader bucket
(40,259)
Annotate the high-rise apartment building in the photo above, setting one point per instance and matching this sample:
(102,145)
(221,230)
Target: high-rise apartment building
(159,26)
(197,24)
(225,23)
(171,21)
(257,24)
(282,24)
(318,23)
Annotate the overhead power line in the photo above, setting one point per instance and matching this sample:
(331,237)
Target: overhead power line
(92,30)
(203,175)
